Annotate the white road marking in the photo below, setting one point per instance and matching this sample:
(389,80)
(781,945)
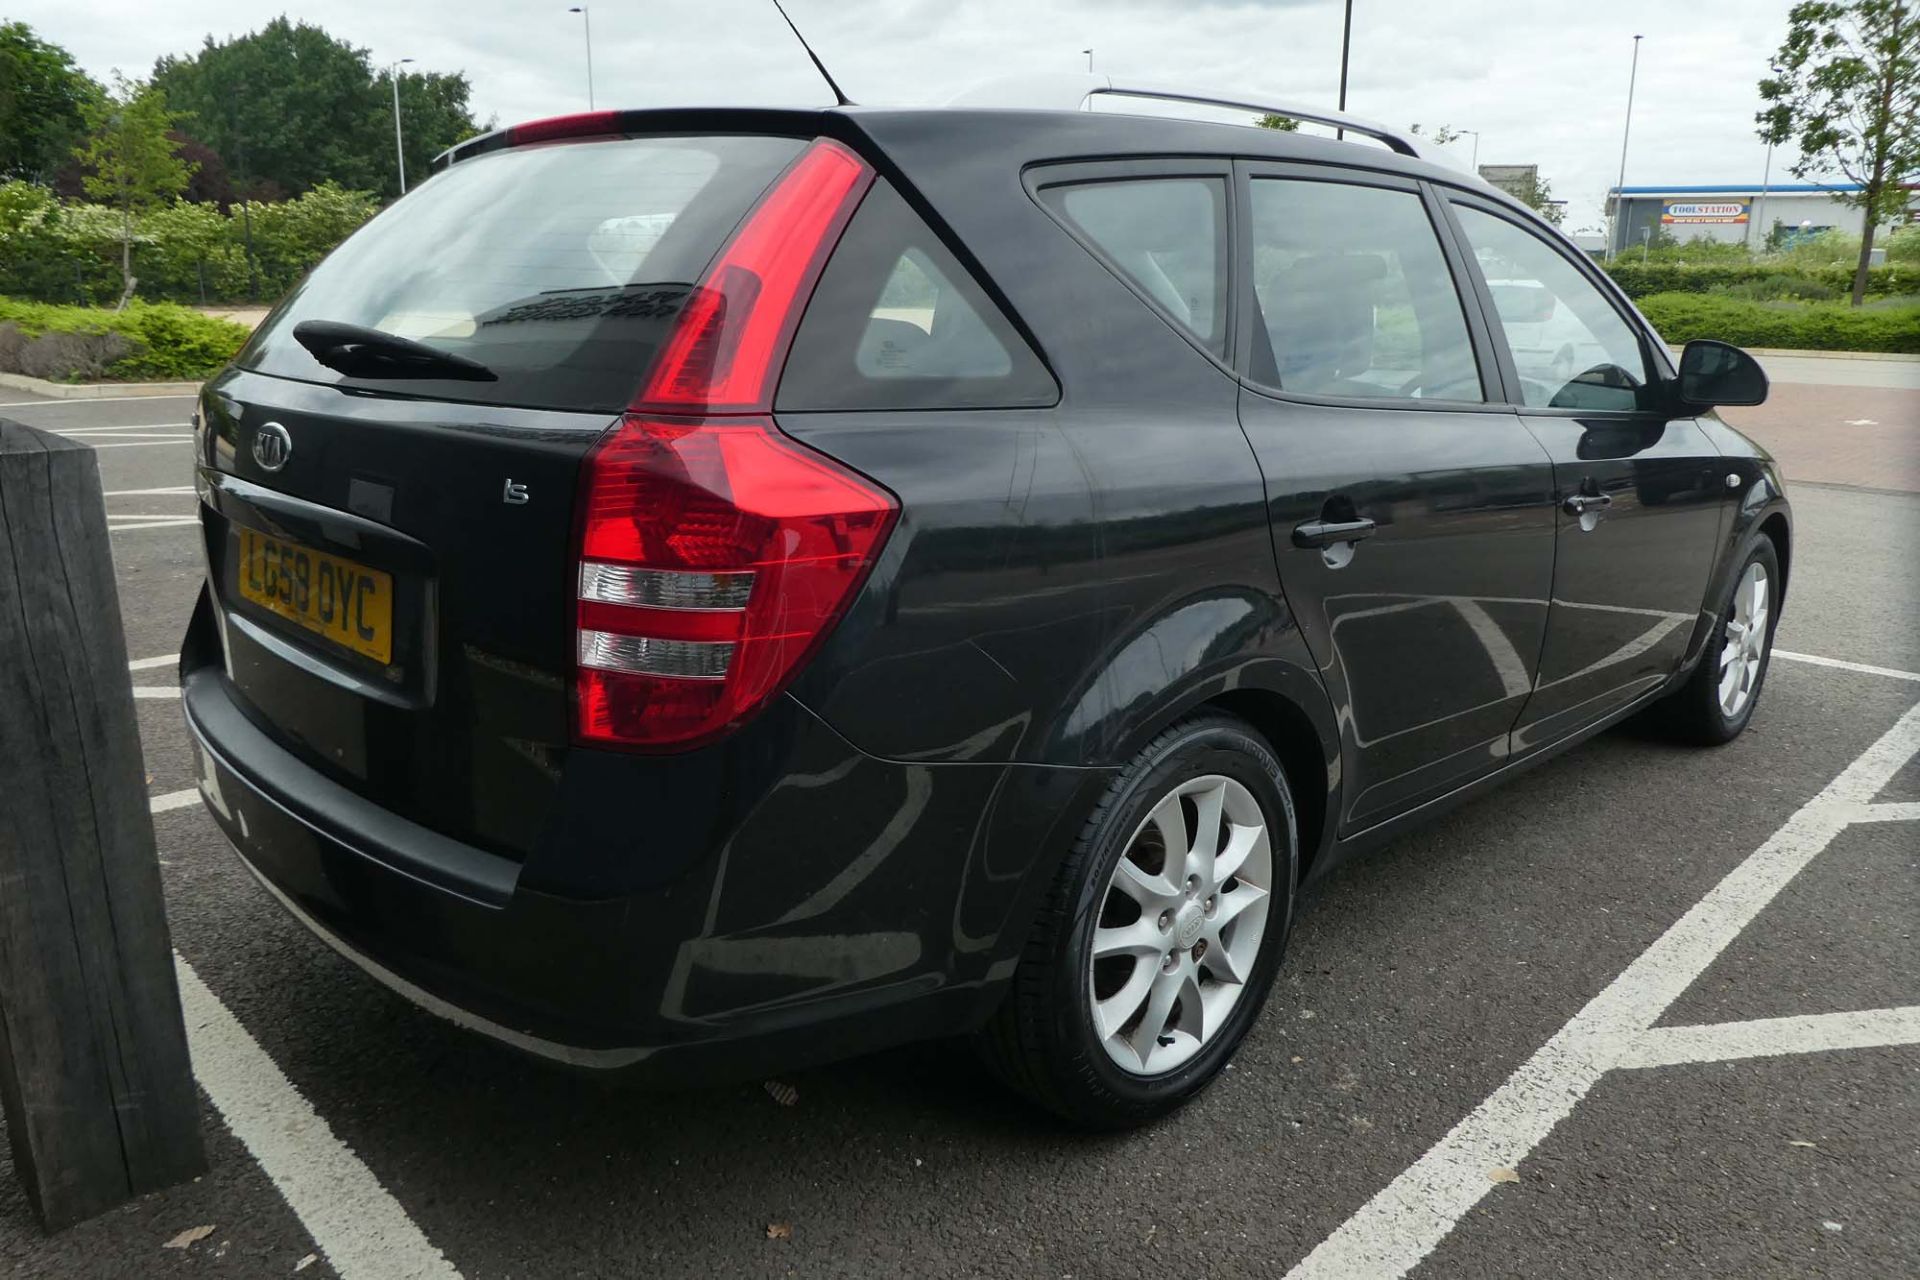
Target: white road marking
(156,691)
(1893,811)
(122,429)
(356,1222)
(94,401)
(169,522)
(1407,1220)
(174,800)
(164,660)
(137,444)
(1814,659)
(136,493)
(1771,1037)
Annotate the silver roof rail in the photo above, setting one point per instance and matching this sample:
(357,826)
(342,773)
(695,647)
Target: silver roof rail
(1070,93)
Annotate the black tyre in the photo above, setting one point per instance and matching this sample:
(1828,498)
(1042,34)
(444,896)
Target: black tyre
(1718,699)
(1160,937)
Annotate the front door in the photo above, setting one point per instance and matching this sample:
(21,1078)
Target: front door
(1412,513)
(1640,495)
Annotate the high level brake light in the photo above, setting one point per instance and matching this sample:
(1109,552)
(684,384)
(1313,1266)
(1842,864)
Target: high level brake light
(716,553)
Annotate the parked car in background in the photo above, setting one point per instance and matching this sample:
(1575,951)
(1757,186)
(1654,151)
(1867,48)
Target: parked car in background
(699,592)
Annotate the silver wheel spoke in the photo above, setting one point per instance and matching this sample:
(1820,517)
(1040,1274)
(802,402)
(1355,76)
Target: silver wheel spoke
(1112,1013)
(1146,889)
(1153,1023)
(1171,823)
(1141,937)
(1222,963)
(1242,843)
(1206,833)
(1232,904)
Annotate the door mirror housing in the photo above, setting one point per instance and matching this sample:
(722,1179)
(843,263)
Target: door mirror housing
(1717,373)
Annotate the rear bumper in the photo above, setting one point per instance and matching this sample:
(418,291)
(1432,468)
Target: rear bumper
(859,903)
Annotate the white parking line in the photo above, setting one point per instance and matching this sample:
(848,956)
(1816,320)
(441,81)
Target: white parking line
(156,691)
(357,1223)
(1773,1037)
(1407,1220)
(1862,668)
(168,522)
(136,493)
(137,444)
(142,664)
(90,401)
(121,429)
(173,800)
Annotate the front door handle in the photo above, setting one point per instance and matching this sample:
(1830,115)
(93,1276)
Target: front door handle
(1579,504)
(1324,533)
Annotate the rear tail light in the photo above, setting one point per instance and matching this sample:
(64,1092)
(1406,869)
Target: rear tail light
(716,553)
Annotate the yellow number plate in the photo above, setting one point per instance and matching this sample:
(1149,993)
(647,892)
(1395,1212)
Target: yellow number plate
(347,603)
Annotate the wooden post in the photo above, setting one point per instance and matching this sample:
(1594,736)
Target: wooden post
(94,1076)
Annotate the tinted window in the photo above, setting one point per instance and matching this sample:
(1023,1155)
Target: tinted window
(560,267)
(1168,236)
(1570,347)
(1355,296)
(897,323)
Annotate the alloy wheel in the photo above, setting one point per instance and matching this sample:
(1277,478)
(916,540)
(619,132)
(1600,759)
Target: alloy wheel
(1746,642)
(1180,925)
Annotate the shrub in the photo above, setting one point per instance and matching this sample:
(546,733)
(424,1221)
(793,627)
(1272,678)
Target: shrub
(167,341)
(1817,326)
(1781,287)
(1640,279)
(74,357)
(11,340)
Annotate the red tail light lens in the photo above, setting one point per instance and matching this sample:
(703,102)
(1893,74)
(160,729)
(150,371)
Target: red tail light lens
(715,554)
(586,124)
(732,336)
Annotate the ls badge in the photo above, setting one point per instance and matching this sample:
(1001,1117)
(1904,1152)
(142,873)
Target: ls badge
(515,494)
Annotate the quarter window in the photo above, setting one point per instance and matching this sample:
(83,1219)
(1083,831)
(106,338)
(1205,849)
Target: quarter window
(1355,297)
(1166,235)
(1570,347)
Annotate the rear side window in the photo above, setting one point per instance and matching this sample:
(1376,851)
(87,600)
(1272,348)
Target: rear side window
(560,268)
(1166,235)
(897,323)
(1355,296)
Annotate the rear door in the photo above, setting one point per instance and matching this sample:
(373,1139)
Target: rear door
(1411,511)
(1640,494)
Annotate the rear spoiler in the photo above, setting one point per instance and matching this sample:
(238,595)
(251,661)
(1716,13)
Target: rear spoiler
(615,124)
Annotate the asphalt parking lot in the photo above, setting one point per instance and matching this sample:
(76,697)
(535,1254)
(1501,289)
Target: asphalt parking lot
(1645,1010)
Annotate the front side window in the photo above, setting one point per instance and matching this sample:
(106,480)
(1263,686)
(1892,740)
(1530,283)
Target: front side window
(1166,235)
(1355,296)
(1571,349)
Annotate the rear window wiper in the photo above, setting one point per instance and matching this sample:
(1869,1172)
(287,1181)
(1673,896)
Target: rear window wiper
(368,353)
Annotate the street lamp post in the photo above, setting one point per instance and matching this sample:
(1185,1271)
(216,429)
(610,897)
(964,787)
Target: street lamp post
(586,20)
(1766,175)
(1475,164)
(1089,54)
(399,148)
(1626,130)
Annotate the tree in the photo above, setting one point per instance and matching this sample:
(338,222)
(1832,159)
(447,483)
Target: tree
(1443,134)
(1285,124)
(131,153)
(292,106)
(43,96)
(1847,93)
(1536,193)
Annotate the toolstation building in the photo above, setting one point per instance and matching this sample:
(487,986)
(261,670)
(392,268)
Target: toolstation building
(1737,214)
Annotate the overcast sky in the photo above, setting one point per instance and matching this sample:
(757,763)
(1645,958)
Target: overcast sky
(1545,81)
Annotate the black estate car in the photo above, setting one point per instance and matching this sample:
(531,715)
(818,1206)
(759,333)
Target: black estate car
(697,591)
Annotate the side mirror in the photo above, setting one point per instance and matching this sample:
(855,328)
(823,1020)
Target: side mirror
(1716,373)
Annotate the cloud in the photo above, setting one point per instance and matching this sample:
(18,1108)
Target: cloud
(1544,84)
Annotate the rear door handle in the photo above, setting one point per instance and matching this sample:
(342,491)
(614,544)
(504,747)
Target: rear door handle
(1578,504)
(1324,533)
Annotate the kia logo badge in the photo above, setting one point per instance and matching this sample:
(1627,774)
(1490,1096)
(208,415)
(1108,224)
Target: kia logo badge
(272,446)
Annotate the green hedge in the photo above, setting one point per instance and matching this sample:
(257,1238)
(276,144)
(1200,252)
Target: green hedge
(1641,279)
(68,251)
(170,342)
(1816,326)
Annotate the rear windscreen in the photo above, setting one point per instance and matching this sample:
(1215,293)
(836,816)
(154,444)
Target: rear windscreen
(559,268)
